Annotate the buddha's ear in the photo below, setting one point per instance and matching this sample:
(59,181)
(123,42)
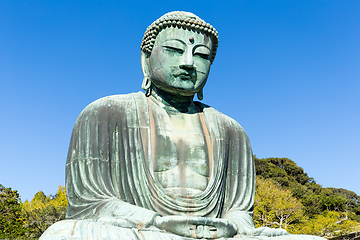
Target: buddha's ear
(145,69)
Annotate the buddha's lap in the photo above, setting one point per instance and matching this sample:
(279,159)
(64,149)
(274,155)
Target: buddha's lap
(86,229)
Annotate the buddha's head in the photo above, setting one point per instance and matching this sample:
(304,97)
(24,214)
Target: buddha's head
(176,54)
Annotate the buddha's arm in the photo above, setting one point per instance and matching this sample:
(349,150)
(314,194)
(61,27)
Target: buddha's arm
(122,214)
(240,181)
(243,221)
(104,180)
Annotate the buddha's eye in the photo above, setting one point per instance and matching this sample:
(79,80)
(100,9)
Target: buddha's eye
(174,46)
(173,49)
(202,55)
(202,52)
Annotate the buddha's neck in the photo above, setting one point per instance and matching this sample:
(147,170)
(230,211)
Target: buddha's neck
(178,102)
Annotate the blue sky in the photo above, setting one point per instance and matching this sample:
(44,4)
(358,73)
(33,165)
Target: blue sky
(287,71)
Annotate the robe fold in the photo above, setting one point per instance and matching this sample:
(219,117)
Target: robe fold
(111,188)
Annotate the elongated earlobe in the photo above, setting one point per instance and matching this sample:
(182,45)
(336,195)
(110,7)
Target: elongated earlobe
(146,83)
(200,95)
(148,92)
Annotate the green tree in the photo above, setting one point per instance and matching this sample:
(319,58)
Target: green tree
(328,224)
(43,211)
(351,201)
(275,207)
(315,198)
(11,221)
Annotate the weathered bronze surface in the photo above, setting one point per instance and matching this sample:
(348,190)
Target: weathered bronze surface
(160,165)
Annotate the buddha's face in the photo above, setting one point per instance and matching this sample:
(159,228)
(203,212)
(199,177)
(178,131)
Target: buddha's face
(180,61)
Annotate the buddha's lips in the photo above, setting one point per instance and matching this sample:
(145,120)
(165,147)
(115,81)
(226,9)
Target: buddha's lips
(187,75)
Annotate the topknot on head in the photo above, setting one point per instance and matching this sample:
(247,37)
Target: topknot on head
(180,19)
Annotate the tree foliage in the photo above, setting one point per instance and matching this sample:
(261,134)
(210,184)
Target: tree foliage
(350,200)
(329,211)
(275,207)
(328,224)
(43,211)
(11,221)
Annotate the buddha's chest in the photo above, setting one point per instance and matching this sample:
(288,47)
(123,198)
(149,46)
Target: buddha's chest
(180,152)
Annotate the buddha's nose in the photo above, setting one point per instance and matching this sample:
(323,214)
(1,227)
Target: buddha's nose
(187,60)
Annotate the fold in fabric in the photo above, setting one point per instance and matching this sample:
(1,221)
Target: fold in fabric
(109,172)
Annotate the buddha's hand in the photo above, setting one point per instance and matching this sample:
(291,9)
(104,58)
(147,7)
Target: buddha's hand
(196,227)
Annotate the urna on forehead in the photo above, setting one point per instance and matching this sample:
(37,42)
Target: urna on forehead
(178,19)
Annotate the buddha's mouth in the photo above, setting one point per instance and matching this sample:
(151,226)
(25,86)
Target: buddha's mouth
(186,75)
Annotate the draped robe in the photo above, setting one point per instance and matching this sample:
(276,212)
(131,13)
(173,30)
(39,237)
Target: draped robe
(111,188)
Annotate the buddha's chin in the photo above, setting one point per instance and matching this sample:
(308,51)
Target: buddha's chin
(185,88)
(184,83)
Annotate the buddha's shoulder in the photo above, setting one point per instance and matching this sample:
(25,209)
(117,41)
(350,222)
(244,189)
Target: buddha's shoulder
(115,100)
(114,103)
